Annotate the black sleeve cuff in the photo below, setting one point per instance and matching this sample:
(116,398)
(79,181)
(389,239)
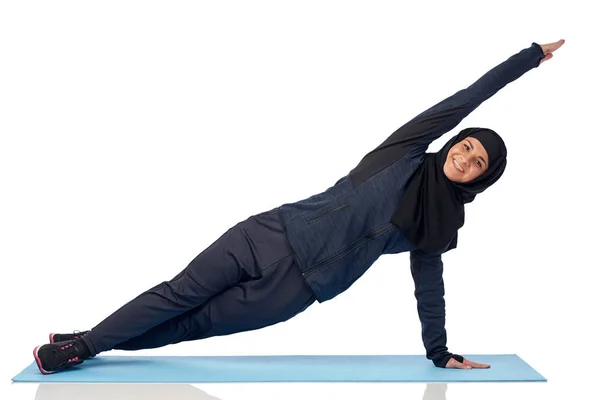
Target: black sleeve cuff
(441,360)
(539,52)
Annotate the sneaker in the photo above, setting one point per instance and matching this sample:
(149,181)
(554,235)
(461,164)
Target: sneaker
(59,356)
(63,337)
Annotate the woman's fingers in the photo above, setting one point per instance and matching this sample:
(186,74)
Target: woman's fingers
(554,46)
(474,364)
(550,47)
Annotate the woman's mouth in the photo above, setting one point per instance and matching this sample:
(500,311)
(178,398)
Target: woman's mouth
(457,166)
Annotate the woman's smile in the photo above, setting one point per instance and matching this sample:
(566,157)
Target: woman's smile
(458,166)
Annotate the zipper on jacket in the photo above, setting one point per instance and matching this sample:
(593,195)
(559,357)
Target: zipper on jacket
(334,257)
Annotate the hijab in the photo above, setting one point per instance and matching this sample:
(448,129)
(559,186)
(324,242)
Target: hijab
(431,210)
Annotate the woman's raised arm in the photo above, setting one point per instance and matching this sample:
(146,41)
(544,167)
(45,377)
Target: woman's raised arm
(418,133)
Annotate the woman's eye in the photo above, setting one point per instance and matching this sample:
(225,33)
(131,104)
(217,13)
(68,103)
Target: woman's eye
(478,163)
(466,147)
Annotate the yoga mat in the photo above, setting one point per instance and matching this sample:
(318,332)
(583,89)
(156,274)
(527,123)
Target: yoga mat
(292,368)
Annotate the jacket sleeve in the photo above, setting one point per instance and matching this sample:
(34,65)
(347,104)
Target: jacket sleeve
(418,133)
(426,270)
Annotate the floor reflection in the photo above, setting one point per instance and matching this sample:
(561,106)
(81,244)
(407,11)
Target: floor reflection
(157,391)
(435,391)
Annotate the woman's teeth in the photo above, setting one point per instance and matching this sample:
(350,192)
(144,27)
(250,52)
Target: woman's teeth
(457,166)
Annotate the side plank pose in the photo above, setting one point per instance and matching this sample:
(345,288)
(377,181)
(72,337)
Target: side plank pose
(275,264)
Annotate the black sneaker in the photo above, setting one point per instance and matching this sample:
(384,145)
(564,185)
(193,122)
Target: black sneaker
(62,337)
(59,356)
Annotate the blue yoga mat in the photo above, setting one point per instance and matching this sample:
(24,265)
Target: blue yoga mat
(293,368)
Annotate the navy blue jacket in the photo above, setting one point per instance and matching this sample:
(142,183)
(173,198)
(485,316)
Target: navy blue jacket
(339,233)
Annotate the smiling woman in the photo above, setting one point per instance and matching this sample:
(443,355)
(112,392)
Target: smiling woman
(274,265)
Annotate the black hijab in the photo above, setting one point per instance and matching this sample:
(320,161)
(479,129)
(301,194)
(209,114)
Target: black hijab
(431,209)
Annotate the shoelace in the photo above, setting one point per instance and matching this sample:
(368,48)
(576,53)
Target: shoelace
(79,334)
(70,351)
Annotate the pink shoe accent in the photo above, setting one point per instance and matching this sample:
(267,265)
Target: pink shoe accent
(51,337)
(39,362)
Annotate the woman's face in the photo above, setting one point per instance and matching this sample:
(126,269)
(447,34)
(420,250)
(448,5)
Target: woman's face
(466,161)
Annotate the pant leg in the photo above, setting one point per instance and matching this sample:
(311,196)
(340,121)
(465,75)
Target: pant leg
(278,296)
(239,255)
(226,262)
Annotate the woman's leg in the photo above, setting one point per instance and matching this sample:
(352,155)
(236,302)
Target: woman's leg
(222,265)
(239,258)
(278,296)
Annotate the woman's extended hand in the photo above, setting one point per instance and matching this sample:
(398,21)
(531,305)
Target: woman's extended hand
(466,364)
(549,48)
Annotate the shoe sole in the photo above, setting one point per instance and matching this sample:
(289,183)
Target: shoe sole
(39,362)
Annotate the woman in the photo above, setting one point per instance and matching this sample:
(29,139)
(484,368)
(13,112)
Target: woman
(275,264)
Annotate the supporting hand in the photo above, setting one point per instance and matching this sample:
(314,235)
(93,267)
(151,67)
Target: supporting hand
(466,364)
(549,48)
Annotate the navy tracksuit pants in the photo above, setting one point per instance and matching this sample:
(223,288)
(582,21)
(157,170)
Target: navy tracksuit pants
(247,279)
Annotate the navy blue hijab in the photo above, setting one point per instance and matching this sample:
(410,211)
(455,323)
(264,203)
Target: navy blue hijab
(431,209)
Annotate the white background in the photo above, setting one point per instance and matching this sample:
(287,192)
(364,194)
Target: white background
(133,134)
